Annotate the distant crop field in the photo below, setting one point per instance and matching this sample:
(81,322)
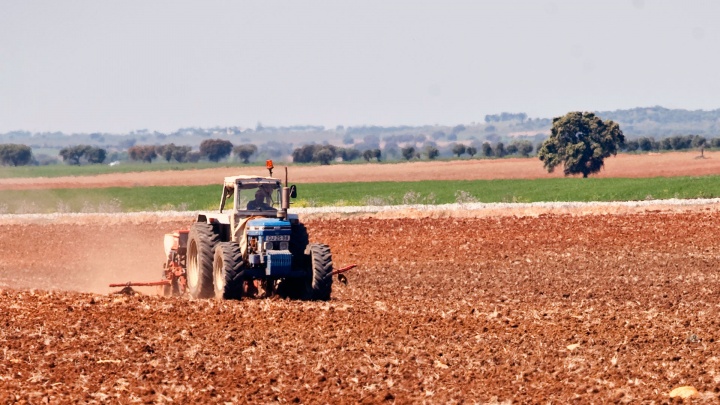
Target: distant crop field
(675,164)
(194,198)
(53,171)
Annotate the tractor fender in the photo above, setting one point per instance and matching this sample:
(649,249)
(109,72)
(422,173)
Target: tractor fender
(213,218)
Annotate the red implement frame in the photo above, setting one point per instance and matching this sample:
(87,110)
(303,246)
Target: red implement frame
(344,269)
(147,284)
(171,274)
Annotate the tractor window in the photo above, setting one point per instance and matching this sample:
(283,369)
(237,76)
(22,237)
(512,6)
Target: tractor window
(263,197)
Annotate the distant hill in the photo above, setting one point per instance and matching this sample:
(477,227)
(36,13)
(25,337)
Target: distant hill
(657,122)
(661,122)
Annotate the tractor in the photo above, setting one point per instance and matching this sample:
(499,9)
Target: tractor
(250,247)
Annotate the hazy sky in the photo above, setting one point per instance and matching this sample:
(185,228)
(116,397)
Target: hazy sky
(115,66)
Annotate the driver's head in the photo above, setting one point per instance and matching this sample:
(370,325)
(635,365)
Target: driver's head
(259,195)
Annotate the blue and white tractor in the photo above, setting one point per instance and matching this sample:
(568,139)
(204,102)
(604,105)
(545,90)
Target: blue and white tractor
(253,247)
(250,247)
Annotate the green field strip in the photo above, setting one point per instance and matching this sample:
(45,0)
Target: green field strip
(194,198)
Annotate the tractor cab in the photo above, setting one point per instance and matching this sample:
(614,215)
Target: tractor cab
(257,196)
(252,196)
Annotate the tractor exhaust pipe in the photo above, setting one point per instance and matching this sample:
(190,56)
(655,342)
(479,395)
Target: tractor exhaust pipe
(284,198)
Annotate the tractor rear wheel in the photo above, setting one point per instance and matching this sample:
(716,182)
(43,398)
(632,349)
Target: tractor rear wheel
(320,286)
(200,249)
(299,241)
(227,271)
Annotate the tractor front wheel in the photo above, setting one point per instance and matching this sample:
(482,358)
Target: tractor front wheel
(200,249)
(227,271)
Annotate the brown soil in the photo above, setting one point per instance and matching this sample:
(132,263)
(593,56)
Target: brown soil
(551,308)
(623,165)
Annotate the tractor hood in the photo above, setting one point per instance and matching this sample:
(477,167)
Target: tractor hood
(267,223)
(264,227)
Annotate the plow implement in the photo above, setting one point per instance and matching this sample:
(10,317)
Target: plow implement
(339,272)
(174,282)
(178,279)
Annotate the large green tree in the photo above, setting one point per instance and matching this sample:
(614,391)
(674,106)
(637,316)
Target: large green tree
(580,142)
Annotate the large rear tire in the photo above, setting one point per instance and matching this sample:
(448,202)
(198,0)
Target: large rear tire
(299,241)
(201,248)
(322,267)
(227,271)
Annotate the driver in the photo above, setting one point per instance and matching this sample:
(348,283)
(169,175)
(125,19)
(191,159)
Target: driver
(259,202)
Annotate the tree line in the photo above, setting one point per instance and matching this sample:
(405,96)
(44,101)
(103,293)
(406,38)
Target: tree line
(216,150)
(678,142)
(325,154)
(213,150)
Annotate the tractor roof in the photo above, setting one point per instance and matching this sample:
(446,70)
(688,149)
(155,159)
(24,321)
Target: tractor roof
(230,181)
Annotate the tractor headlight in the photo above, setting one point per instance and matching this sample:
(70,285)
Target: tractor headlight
(284,245)
(269,245)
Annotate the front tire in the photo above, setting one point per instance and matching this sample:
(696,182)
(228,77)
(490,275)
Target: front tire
(201,247)
(227,271)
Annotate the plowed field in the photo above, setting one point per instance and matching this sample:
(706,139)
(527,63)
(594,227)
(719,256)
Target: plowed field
(558,308)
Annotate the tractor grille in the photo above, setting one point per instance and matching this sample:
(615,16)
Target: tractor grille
(279,263)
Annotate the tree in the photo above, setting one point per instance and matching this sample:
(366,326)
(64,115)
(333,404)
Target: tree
(303,154)
(632,146)
(73,154)
(95,155)
(324,156)
(432,152)
(408,152)
(193,157)
(370,154)
(244,151)
(580,141)
(471,150)
(348,154)
(215,149)
(700,142)
(367,155)
(646,144)
(171,151)
(181,153)
(487,149)
(458,149)
(144,153)
(500,149)
(15,154)
(524,148)
(165,151)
